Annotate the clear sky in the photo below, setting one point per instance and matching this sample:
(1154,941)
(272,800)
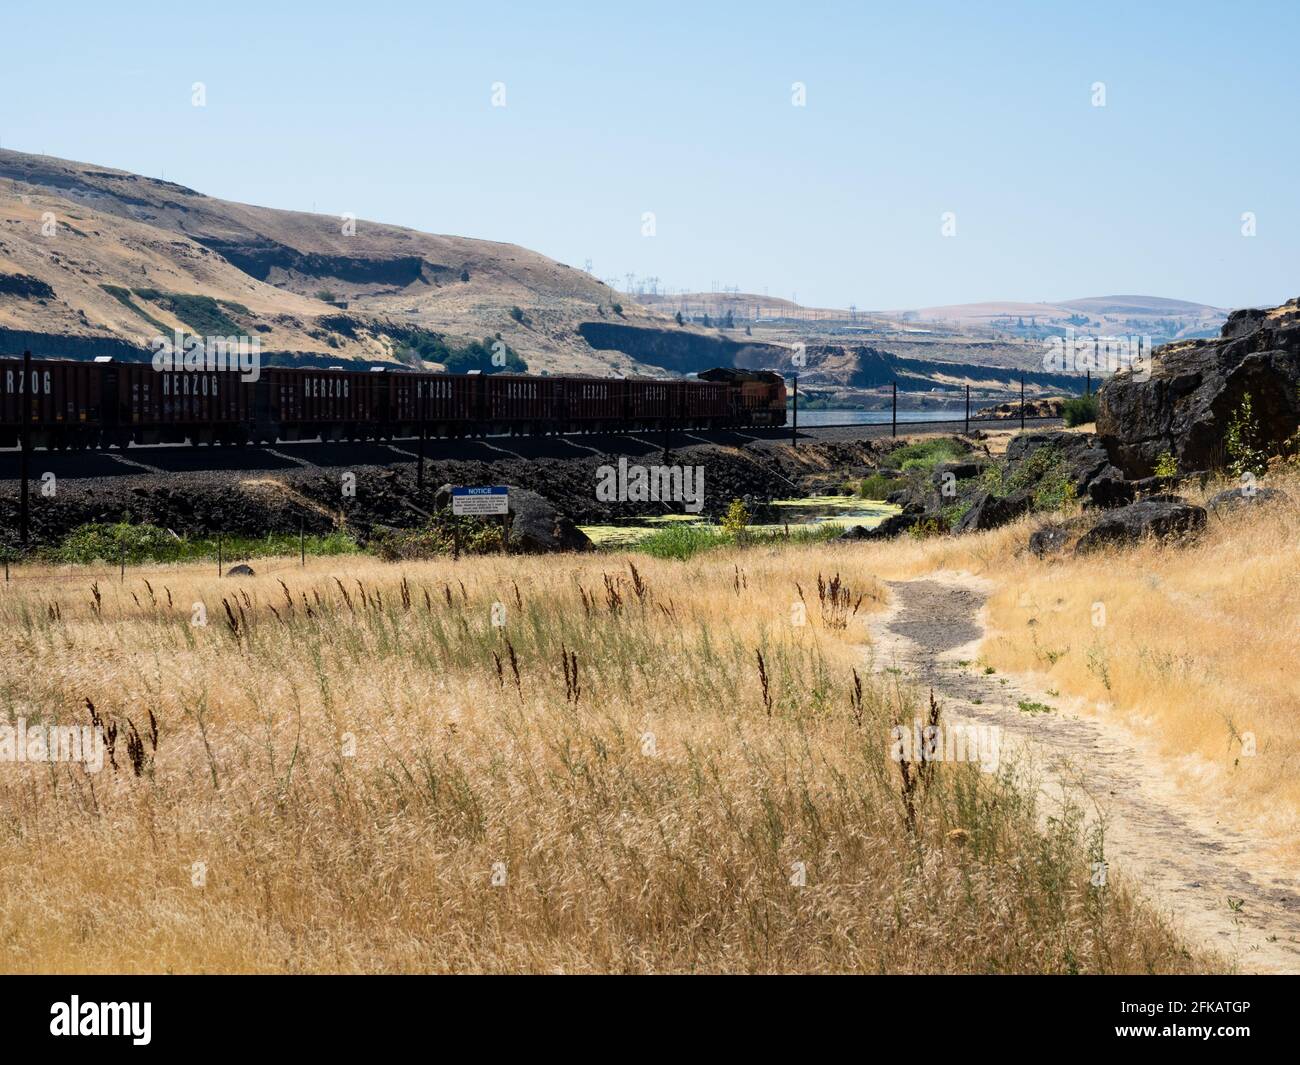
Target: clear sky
(985,110)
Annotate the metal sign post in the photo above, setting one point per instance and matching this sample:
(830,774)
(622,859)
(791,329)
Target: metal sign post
(26,443)
(419,469)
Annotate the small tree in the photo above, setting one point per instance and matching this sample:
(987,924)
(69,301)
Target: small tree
(1246,450)
(736,520)
(464,274)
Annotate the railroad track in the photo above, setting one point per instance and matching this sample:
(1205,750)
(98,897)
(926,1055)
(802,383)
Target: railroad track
(183,459)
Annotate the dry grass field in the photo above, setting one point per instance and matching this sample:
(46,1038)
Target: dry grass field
(1190,646)
(563,764)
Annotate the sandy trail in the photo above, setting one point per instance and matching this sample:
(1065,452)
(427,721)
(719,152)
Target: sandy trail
(1156,838)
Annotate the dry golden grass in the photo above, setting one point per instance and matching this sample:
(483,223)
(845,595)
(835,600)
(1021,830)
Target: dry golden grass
(356,757)
(1195,646)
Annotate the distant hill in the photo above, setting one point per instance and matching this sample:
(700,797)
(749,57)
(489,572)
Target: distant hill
(1163,319)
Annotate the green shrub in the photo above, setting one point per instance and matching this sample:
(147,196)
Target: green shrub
(879,487)
(1081,410)
(925,455)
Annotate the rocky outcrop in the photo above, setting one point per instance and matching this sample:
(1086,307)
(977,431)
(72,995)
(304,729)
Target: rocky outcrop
(677,348)
(1047,407)
(1185,404)
(1161,518)
(1041,470)
(1078,457)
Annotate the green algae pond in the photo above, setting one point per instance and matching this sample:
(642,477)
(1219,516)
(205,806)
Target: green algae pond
(808,517)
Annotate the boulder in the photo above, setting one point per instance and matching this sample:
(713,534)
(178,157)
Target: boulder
(988,511)
(1183,403)
(889,528)
(1110,489)
(960,471)
(1235,499)
(1050,540)
(1168,517)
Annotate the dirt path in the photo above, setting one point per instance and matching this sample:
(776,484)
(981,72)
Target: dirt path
(1155,837)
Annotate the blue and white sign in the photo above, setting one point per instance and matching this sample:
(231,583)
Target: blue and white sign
(490,499)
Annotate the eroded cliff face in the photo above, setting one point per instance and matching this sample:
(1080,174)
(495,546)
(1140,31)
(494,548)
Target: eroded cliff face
(1185,406)
(679,349)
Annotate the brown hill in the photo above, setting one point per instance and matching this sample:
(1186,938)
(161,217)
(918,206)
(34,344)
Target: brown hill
(99,261)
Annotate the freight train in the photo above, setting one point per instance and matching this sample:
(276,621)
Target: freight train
(77,405)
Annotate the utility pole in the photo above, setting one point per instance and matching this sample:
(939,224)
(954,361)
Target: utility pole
(1022,404)
(26,443)
(894,417)
(794,431)
(968,410)
(419,469)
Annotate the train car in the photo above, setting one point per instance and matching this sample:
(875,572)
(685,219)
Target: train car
(651,403)
(592,404)
(63,402)
(334,404)
(515,403)
(171,406)
(706,405)
(436,404)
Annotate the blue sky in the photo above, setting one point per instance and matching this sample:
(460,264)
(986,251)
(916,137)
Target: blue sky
(385,110)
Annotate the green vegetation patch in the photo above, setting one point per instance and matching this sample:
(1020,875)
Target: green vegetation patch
(419,344)
(136,544)
(878,486)
(1045,471)
(1081,410)
(203,314)
(925,455)
(123,296)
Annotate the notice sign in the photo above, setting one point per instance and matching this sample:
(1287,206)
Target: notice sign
(494,499)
